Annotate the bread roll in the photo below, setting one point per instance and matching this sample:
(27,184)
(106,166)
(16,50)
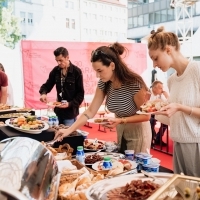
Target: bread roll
(83,180)
(115,171)
(98,177)
(53,151)
(83,186)
(67,188)
(75,197)
(82,196)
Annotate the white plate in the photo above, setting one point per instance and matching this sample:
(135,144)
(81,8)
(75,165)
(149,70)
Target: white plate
(95,165)
(46,126)
(108,184)
(93,122)
(145,113)
(113,155)
(93,141)
(95,149)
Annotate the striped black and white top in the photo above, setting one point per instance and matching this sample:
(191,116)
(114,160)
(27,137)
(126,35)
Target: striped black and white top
(120,101)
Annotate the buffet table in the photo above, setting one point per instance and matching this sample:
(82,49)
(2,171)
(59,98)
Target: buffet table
(48,135)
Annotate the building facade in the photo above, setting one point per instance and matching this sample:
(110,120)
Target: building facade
(146,15)
(73,20)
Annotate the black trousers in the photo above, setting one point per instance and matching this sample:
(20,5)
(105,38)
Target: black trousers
(162,129)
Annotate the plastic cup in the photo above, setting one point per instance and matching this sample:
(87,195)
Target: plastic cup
(129,154)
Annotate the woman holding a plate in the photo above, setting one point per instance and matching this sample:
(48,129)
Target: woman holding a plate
(125,91)
(184,108)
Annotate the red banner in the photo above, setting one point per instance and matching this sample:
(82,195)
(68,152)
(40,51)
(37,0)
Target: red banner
(38,61)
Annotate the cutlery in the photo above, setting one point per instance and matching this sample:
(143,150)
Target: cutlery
(132,171)
(51,143)
(151,176)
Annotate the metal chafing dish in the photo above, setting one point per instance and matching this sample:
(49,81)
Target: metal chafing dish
(28,170)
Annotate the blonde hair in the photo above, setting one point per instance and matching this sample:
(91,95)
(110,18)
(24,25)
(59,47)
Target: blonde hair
(160,39)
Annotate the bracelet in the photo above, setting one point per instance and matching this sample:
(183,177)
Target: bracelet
(123,120)
(86,115)
(191,111)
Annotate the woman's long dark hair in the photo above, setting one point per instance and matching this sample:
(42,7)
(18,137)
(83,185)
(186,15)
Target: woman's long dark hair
(112,53)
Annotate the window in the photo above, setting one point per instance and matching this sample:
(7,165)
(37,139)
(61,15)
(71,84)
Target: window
(85,15)
(52,2)
(85,31)
(67,4)
(23,37)
(146,19)
(163,15)
(101,32)
(94,32)
(157,17)
(130,22)
(110,19)
(140,20)
(85,4)
(67,22)
(101,17)
(170,14)
(135,22)
(151,18)
(71,5)
(197,8)
(23,17)
(73,23)
(94,5)
(30,18)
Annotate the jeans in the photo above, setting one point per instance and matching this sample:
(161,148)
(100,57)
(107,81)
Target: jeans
(67,122)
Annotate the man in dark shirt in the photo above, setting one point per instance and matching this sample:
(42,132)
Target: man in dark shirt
(68,79)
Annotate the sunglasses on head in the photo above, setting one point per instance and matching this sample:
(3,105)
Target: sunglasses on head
(97,54)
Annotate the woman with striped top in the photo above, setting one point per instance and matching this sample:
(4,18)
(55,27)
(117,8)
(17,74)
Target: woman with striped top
(125,91)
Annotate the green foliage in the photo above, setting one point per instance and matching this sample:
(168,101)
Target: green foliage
(10,32)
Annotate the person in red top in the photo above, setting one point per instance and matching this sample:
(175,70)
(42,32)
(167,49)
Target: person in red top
(3,87)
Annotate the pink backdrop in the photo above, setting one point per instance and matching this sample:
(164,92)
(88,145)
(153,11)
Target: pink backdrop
(38,60)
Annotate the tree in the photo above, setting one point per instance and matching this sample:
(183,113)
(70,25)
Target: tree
(10,32)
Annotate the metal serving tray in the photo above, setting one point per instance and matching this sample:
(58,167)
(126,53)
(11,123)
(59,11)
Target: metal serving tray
(29,169)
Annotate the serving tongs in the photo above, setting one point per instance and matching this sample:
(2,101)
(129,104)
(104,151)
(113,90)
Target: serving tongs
(130,171)
(51,143)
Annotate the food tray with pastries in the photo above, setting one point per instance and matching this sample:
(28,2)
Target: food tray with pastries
(63,152)
(13,115)
(27,124)
(94,144)
(152,107)
(75,181)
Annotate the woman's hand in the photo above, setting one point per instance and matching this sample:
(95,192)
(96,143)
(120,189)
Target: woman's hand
(170,109)
(61,133)
(112,123)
